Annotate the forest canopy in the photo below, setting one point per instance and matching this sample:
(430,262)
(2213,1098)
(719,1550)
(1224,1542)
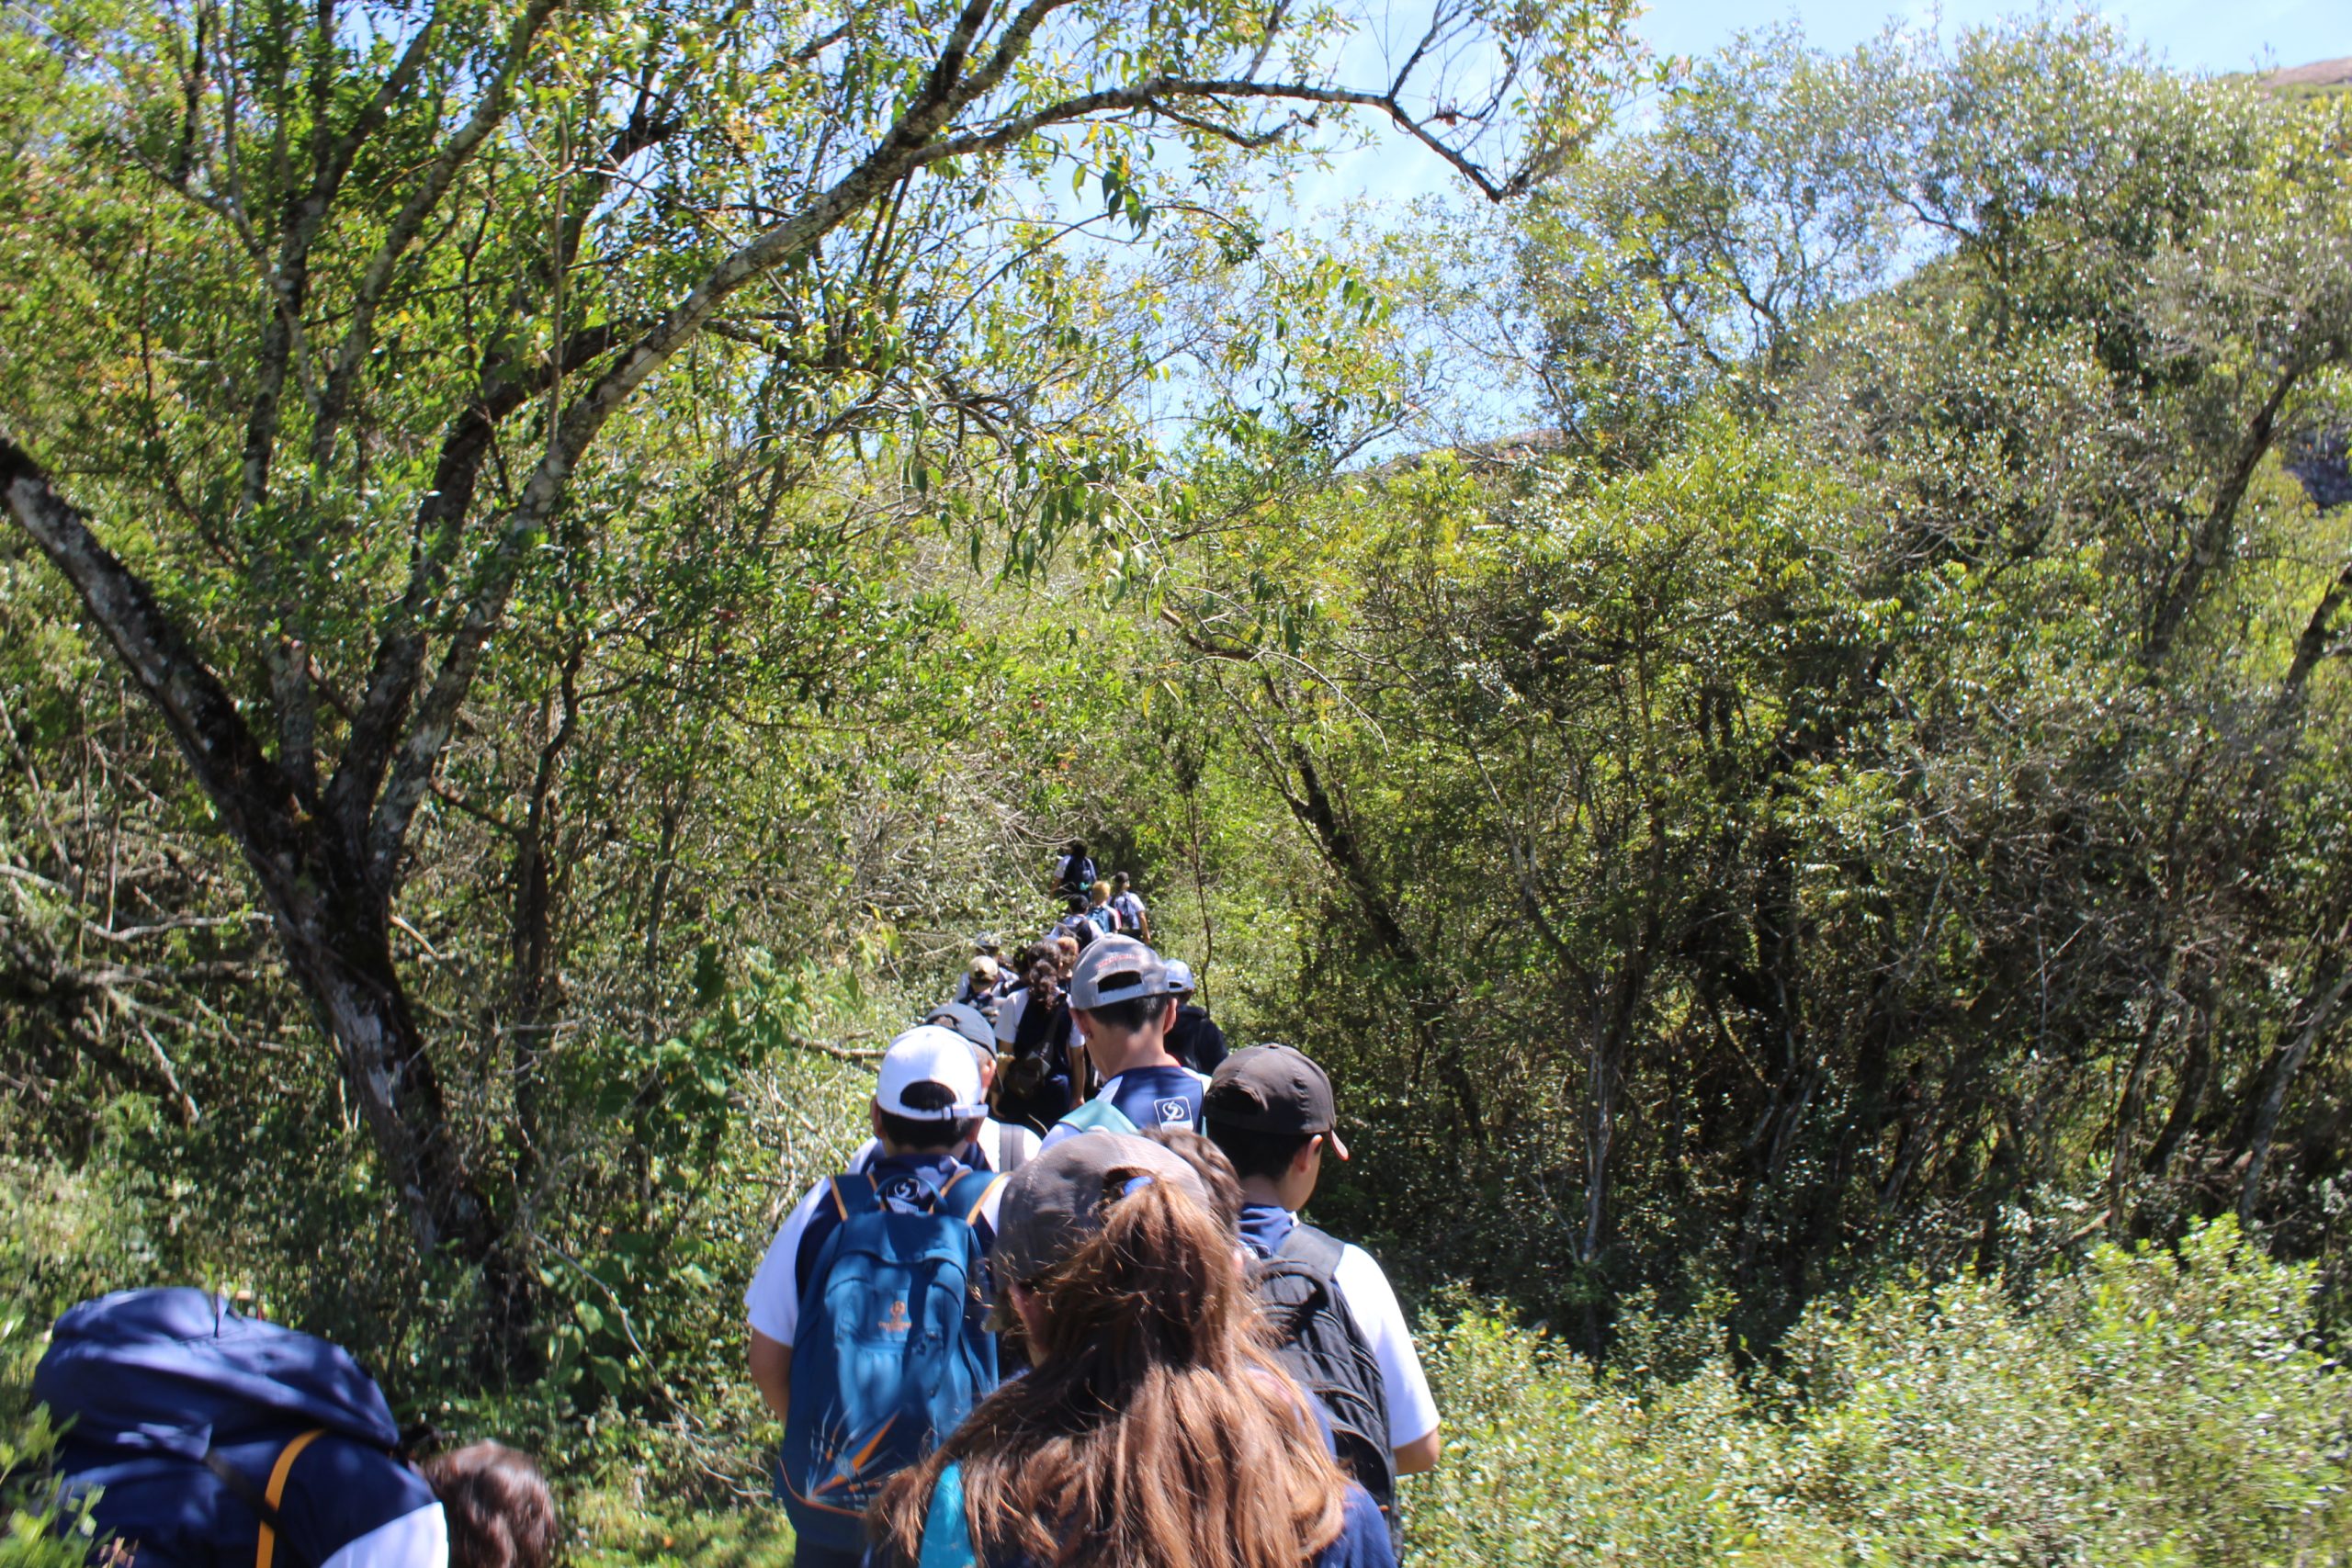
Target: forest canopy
(1764,681)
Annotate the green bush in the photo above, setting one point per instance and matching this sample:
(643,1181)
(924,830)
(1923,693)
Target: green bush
(29,1536)
(2151,1407)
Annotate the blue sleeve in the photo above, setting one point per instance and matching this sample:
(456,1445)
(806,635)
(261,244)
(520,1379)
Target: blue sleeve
(1363,1536)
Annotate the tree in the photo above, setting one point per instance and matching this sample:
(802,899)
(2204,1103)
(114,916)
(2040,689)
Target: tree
(419,261)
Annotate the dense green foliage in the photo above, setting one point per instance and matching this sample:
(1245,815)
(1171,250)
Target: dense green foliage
(2147,1409)
(1776,709)
(1884,779)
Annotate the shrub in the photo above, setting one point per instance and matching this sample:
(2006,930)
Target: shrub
(2153,1407)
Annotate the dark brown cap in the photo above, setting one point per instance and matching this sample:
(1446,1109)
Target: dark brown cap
(1055,1201)
(1273,1088)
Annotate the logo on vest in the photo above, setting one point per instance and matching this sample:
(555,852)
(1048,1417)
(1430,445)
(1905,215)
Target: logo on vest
(1173,1113)
(896,1320)
(905,1190)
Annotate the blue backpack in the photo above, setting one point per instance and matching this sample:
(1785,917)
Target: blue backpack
(891,1353)
(157,1388)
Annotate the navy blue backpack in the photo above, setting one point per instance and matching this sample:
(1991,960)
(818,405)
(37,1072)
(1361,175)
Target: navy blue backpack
(891,1354)
(190,1416)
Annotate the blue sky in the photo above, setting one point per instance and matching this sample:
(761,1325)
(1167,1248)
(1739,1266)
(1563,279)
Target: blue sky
(2188,35)
(2191,35)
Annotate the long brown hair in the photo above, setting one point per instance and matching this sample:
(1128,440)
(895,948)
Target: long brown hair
(1155,1431)
(500,1511)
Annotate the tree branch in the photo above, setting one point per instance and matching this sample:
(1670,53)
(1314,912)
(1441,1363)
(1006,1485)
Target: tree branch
(359,336)
(243,785)
(400,648)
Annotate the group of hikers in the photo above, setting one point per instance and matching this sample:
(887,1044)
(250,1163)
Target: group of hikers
(1066,1178)
(1059,1309)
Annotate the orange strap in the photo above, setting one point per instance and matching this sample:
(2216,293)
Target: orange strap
(275,1490)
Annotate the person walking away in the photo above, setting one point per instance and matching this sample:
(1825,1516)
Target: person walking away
(1195,1038)
(1153,1430)
(1099,913)
(982,985)
(1343,1336)
(204,1439)
(1033,1033)
(1076,924)
(1074,873)
(996,1147)
(867,1333)
(1209,1162)
(1120,1001)
(1135,915)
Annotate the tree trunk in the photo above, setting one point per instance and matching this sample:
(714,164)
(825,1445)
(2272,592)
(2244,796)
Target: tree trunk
(2264,1123)
(332,912)
(339,951)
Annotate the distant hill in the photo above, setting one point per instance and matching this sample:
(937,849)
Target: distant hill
(2319,76)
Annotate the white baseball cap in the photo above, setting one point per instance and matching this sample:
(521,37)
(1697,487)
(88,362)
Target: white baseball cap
(964,1019)
(1180,977)
(936,1067)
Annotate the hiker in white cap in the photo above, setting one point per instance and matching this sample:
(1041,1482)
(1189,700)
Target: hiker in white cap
(998,1146)
(1122,1007)
(1194,1039)
(898,1376)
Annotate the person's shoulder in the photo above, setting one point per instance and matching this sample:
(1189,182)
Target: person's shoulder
(419,1539)
(353,1505)
(1360,1276)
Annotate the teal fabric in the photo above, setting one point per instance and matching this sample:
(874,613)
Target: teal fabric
(946,1539)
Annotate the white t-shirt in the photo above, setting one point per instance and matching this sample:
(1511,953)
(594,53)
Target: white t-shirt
(996,1140)
(417,1540)
(1412,1414)
(771,1300)
(1007,1016)
(1373,1305)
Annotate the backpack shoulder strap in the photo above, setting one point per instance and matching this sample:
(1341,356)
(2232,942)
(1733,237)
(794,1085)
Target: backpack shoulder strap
(853,1194)
(1098,1114)
(1317,1251)
(965,1192)
(947,1535)
(265,1502)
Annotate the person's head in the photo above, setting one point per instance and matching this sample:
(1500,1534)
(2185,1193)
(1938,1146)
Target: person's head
(928,1098)
(500,1511)
(1270,1109)
(1066,954)
(1076,850)
(1041,971)
(1155,1422)
(1119,1000)
(989,944)
(1074,905)
(1209,1162)
(972,1025)
(982,972)
(1119,882)
(1179,979)
(1098,894)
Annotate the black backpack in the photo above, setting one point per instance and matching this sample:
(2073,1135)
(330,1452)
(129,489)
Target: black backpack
(1321,1347)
